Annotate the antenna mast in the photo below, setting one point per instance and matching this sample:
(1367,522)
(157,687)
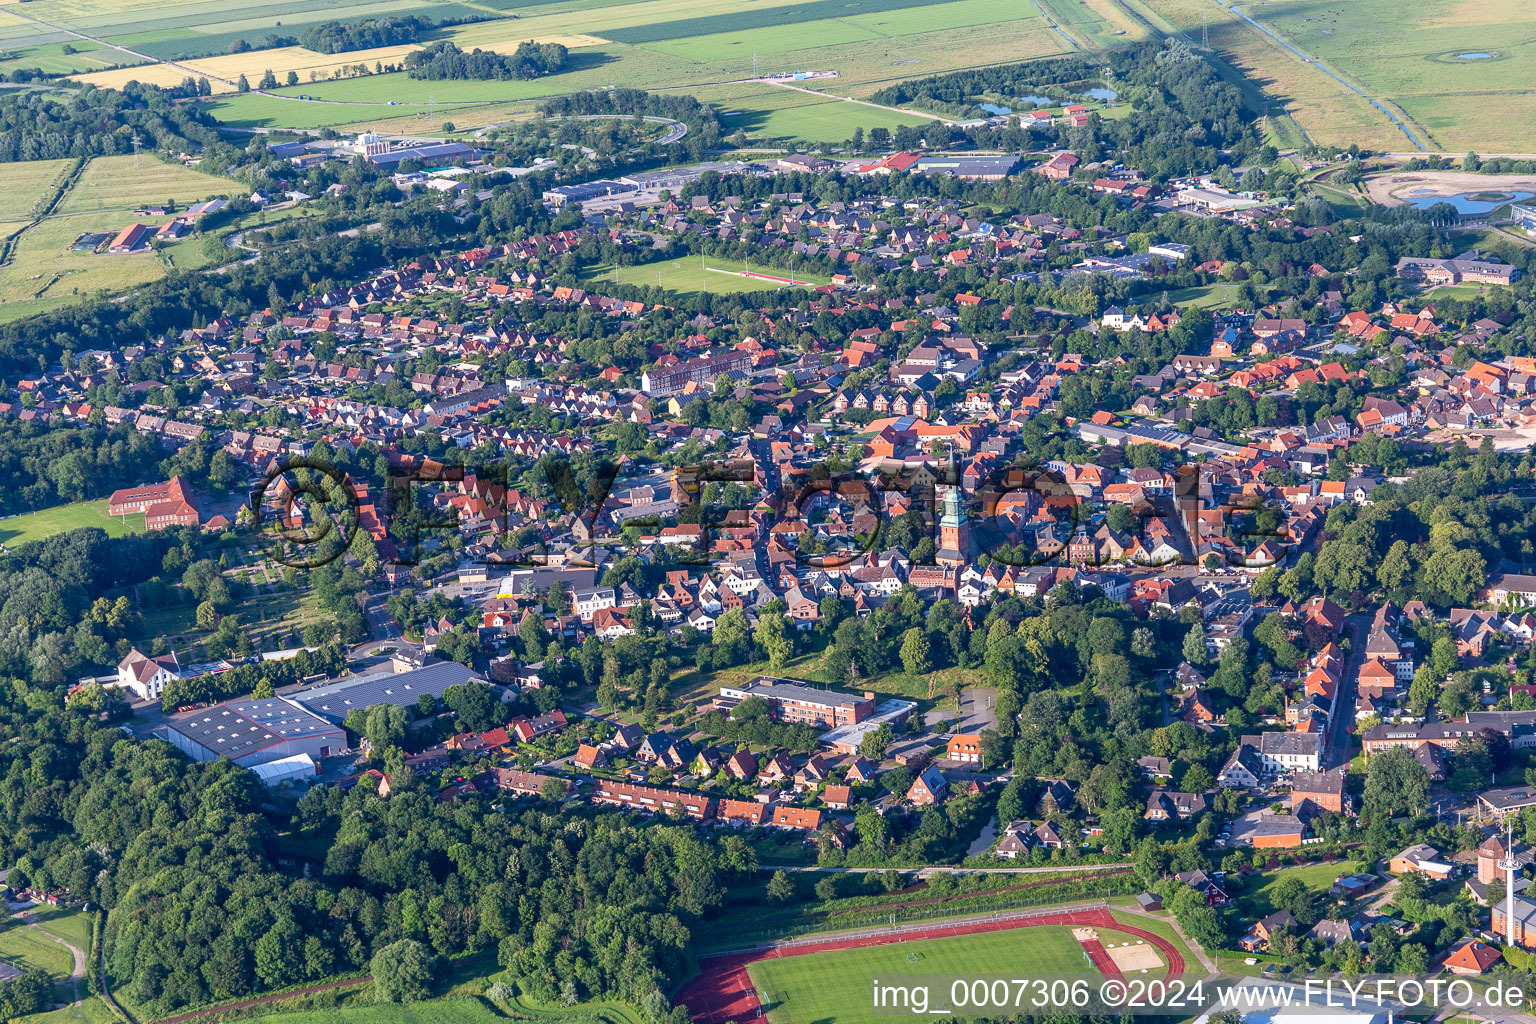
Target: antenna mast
(1509,882)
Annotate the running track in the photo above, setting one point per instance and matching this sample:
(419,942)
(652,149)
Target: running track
(723,992)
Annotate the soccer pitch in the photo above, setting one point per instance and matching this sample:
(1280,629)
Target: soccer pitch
(834,988)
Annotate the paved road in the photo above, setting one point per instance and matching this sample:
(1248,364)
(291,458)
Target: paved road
(1359,627)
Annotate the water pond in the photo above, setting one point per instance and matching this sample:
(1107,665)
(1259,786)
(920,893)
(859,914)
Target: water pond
(1484,201)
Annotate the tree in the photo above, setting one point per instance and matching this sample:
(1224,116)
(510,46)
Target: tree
(772,635)
(1422,690)
(1395,782)
(875,741)
(780,889)
(243,84)
(401,971)
(1194,646)
(871,826)
(915,652)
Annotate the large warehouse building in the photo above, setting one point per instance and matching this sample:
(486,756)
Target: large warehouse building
(335,701)
(253,732)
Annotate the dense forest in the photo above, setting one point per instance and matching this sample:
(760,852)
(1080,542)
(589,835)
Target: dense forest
(344,36)
(1185,114)
(443,60)
(46,125)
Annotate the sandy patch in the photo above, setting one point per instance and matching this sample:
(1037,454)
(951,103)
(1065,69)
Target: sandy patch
(570,41)
(1131,957)
(1391,189)
(224,70)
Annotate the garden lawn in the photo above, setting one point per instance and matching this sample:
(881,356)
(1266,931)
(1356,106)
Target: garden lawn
(834,988)
(39,525)
(1317,877)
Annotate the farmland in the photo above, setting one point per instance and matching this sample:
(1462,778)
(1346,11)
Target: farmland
(29,184)
(652,44)
(1409,63)
(43,272)
(124,183)
(687,275)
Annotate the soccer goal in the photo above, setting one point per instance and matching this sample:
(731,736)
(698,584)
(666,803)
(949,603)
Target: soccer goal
(913,958)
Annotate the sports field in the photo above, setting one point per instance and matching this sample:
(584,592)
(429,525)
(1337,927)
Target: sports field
(835,987)
(829,981)
(40,525)
(688,274)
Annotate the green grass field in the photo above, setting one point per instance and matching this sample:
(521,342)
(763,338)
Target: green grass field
(1317,877)
(44,272)
(122,183)
(28,184)
(72,926)
(1208,296)
(834,988)
(687,274)
(39,525)
(29,946)
(1404,57)
(702,45)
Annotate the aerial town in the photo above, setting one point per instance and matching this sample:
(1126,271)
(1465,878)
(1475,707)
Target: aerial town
(632,585)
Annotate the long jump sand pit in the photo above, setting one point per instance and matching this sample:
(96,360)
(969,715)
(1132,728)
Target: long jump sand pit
(1128,957)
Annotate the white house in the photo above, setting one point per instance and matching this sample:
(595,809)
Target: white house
(588,600)
(147,676)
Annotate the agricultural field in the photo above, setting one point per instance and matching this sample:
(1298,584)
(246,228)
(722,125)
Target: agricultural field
(38,526)
(44,272)
(223,73)
(1461,73)
(776,115)
(27,185)
(689,274)
(652,44)
(125,183)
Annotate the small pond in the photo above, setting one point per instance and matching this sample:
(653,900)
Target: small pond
(1479,55)
(1483,201)
(1100,94)
(993,108)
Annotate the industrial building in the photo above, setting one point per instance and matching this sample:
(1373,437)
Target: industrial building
(255,732)
(335,701)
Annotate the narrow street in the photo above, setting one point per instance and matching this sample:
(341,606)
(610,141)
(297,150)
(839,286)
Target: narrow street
(1341,739)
